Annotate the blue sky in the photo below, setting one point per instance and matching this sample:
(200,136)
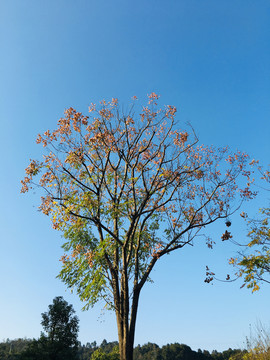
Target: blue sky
(208,58)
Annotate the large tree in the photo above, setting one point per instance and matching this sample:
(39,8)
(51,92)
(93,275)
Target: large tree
(125,189)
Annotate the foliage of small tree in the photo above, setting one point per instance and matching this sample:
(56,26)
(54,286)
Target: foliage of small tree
(62,327)
(60,341)
(125,189)
(100,354)
(178,352)
(238,355)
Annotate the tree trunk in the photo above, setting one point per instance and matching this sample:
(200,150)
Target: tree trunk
(125,343)
(126,330)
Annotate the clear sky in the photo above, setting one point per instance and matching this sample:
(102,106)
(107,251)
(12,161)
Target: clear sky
(211,59)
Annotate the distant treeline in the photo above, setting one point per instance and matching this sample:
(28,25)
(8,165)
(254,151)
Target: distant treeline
(18,350)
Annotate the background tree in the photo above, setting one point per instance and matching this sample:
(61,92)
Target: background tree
(62,327)
(147,351)
(126,189)
(60,341)
(178,352)
(100,354)
(12,349)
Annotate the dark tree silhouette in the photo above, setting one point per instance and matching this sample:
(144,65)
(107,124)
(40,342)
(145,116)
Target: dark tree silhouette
(60,341)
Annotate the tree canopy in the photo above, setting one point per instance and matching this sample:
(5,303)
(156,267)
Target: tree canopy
(126,188)
(60,323)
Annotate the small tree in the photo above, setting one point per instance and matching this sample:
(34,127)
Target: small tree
(99,354)
(61,326)
(60,341)
(126,189)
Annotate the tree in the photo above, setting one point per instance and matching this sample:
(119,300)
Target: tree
(178,352)
(147,351)
(254,264)
(60,342)
(11,349)
(125,189)
(62,327)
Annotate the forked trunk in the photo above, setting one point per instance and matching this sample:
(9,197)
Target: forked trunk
(126,329)
(126,342)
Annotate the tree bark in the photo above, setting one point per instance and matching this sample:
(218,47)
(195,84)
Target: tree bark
(126,329)
(126,340)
